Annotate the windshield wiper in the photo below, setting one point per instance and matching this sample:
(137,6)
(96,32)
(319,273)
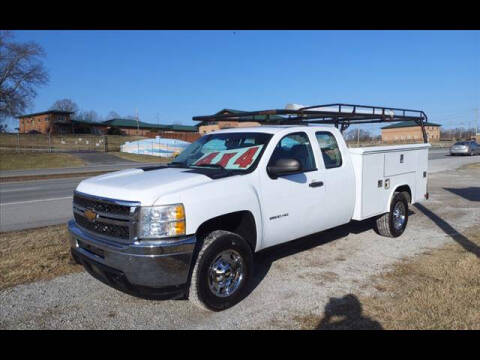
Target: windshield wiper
(177,163)
(218,166)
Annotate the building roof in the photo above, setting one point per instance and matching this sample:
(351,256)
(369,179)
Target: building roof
(88,122)
(182,128)
(128,123)
(131,123)
(408,124)
(45,112)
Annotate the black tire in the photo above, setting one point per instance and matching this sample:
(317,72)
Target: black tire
(385,223)
(214,244)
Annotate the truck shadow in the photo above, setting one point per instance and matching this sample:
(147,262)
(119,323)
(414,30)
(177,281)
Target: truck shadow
(345,313)
(264,259)
(471,193)
(462,240)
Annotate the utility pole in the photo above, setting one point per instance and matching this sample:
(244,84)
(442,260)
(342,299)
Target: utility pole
(138,127)
(476,112)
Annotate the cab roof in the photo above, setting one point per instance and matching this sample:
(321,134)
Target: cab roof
(270,129)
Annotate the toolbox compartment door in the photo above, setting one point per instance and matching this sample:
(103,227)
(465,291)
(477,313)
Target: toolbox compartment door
(400,162)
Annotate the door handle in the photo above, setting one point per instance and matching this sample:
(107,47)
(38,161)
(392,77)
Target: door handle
(316,184)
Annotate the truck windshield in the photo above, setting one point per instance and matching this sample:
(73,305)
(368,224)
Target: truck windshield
(229,151)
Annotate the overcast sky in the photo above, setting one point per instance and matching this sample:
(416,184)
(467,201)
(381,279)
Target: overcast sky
(170,76)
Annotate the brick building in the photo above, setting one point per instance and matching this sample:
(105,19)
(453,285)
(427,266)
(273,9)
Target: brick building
(409,130)
(59,122)
(46,122)
(130,126)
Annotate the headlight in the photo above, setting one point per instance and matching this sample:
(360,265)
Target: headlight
(161,221)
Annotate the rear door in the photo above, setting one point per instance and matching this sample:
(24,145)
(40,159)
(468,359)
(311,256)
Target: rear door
(336,172)
(291,204)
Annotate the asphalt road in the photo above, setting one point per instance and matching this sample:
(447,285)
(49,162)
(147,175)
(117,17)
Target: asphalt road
(31,204)
(435,154)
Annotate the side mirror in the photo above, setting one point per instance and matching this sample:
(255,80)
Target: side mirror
(284,167)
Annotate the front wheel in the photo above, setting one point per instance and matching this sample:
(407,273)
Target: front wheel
(393,223)
(223,268)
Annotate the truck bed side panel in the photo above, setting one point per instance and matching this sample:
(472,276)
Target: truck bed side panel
(381,170)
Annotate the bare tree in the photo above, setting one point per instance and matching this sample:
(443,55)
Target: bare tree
(65,105)
(21,72)
(90,115)
(113,115)
(360,135)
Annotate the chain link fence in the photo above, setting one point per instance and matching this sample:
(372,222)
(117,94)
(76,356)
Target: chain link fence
(63,143)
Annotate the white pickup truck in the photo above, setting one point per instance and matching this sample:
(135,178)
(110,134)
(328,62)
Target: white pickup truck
(190,228)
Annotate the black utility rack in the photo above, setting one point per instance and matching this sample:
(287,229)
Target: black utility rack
(341,115)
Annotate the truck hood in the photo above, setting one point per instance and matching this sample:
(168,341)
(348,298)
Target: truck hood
(145,186)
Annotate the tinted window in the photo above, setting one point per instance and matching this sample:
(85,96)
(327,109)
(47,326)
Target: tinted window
(332,157)
(295,146)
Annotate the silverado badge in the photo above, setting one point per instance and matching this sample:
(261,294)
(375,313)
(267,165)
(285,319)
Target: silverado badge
(90,215)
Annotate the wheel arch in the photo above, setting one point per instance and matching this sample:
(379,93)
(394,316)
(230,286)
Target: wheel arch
(401,188)
(239,222)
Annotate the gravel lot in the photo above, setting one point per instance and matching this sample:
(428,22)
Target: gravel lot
(293,280)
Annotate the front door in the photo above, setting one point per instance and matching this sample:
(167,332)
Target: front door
(291,203)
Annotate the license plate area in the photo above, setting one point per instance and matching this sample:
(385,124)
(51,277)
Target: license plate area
(91,249)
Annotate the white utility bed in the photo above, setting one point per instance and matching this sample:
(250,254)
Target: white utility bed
(380,170)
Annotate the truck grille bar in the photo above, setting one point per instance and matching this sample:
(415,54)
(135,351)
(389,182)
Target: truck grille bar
(109,218)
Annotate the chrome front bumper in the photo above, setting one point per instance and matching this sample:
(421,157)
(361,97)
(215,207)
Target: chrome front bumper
(153,265)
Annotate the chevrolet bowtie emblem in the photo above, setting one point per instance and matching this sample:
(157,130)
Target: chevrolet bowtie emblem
(90,215)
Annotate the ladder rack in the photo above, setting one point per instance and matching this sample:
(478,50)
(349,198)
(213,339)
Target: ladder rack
(341,115)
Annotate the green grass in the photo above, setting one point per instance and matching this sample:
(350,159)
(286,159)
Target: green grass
(32,160)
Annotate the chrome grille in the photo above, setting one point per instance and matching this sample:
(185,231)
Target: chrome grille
(100,227)
(114,219)
(100,206)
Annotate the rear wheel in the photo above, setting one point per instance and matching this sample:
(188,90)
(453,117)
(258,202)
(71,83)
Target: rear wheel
(223,268)
(393,223)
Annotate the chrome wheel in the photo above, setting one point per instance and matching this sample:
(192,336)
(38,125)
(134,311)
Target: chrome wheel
(399,215)
(225,274)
